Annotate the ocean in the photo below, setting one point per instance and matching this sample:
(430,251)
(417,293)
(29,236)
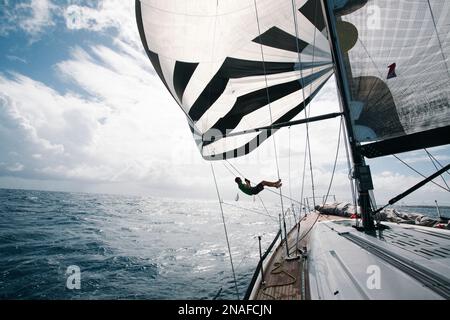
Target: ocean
(129,247)
(126,247)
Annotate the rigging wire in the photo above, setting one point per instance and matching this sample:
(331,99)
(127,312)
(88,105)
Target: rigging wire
(436,160)
(250,210)
(259,197)
(243,175)
(335,163)
(329,185)
(289,179)
(289,166)
(226,232)
(419,173)
(270,108)
(438,38)
(307,142)
(436,167)
(294,11)
(350,175)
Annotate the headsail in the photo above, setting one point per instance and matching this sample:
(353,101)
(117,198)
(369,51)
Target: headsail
(236,65)
(398,73)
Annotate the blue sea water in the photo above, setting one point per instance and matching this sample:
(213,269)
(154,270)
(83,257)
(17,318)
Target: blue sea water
(129,247)
(126,247)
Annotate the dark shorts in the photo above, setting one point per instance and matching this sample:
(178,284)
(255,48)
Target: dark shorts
(258,188)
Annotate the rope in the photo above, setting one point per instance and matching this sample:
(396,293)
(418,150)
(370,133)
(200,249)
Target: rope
(294,11)
(419,173)
(308,146)
(289,165)
(436,167)
(270,108)
(226,232)
(243,175)
(246,254)
(276,270)
(335,162)
(264,206)
(436,160)
(330,184)
(289,176)
(439,38)
(350,178)
(233,174)
(250,210)
(307,143)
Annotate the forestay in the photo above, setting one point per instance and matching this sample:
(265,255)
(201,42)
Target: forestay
(236,65)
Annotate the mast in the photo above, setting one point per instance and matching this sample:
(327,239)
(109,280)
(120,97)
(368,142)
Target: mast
(361,171)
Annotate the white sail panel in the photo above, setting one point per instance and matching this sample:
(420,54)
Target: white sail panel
(236,64)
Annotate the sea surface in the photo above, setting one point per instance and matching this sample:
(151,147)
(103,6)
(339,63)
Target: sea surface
(129,247)
(126,247)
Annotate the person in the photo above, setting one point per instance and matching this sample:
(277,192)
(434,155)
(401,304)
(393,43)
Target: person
(248,189)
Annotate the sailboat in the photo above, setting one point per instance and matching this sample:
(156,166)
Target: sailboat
(241,70)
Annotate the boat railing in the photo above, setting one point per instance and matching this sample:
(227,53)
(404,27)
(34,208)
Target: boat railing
(259,266)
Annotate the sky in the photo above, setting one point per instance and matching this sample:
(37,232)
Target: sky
(82,110)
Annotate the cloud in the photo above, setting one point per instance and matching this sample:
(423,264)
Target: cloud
(127,129)
(106,15)
(15,58)
(32,17)
(15,167)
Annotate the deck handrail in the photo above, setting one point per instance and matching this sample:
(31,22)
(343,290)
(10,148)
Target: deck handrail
(258,267)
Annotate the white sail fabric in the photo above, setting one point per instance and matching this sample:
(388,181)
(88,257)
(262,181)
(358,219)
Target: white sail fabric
(236,65)
(398,70)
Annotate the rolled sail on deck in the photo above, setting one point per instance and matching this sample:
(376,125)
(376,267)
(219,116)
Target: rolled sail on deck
(236,65)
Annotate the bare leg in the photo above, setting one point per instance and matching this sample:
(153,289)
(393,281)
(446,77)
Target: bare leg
(271,184)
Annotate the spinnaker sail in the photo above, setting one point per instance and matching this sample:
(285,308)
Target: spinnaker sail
(236,65)
(398,73)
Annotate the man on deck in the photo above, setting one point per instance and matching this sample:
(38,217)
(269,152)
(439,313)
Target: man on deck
(248,189)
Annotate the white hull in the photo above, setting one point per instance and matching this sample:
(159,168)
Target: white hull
(400,262)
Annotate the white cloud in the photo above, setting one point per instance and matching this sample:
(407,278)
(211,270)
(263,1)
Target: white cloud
(40,18)
(15,167)
(389,184)
(104,16)
(32,17)
(128,129)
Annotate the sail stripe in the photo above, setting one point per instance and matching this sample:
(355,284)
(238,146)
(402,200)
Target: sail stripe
(253,101)
(181,75)
(239,87)
(261,137)
(310,10)
(152,56)
(218,143)
(233,68)
(277,38)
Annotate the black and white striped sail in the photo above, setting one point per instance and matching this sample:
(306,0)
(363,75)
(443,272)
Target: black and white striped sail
(398,72)
(237,64)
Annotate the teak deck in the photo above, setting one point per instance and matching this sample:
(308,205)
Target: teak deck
(288,279)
